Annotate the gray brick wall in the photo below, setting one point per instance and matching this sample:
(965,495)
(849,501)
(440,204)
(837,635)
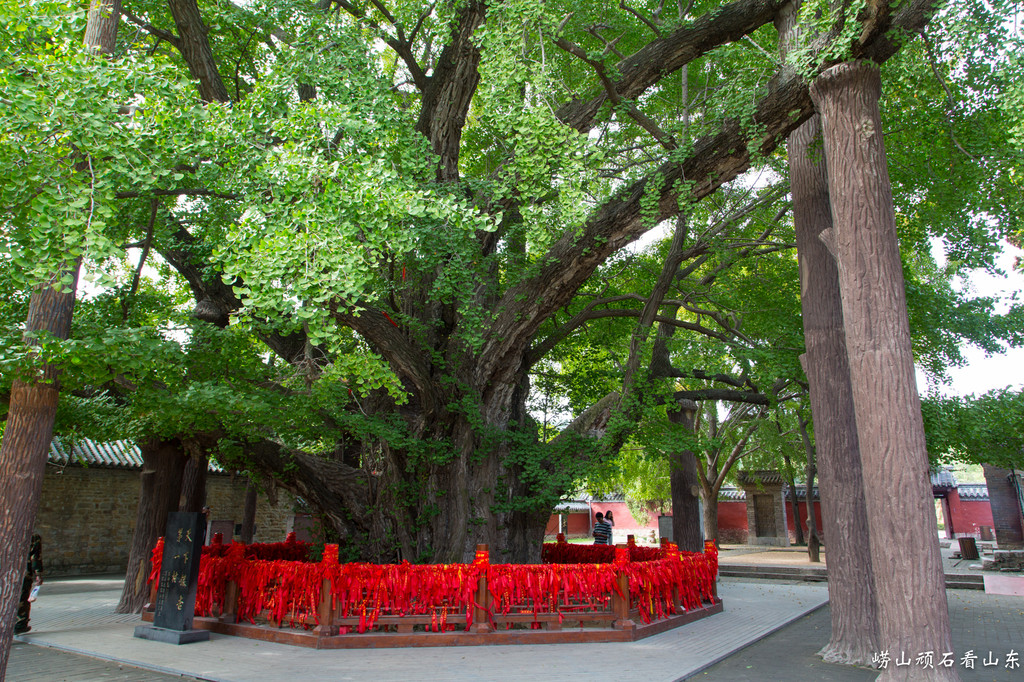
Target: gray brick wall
(87,514)
(1006,512)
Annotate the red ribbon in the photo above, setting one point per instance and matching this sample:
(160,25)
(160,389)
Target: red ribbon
(290,591)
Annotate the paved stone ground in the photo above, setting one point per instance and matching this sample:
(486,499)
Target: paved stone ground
(77,619)
(989,626)
(29,663)
(752,611)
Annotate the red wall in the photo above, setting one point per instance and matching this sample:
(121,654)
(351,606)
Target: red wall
(802,506)
(967,516)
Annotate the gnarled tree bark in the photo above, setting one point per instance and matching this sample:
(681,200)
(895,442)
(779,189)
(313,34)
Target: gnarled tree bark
(908,576)
(163,462)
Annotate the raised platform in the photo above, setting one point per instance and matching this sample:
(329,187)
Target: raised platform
(382,640)
(954,581)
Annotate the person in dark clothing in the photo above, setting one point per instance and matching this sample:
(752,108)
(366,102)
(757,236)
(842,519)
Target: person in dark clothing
(602,531)
(33,576)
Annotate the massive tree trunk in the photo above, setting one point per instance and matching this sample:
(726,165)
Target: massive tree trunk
(685,483)
(844,514)
(909,582)
(162,464)
(33,404)
(464,465)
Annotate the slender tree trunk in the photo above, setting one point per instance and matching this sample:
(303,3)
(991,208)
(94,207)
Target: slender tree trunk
(249,514)
(162,465)
(810,471)
(844,513)
(909,581)
(791,480)
(841,481)
(710,514)
(685,484)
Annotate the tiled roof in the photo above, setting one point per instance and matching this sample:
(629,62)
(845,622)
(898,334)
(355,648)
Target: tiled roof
(801,492)
(942,480)
(117,454)
(757,477)
(973,491)
(729,493)
(569,506)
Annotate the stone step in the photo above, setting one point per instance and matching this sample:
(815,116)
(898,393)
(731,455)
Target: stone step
(954,581)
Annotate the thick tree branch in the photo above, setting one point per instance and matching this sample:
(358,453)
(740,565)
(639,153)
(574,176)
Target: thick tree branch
(748,397)
(665,55)
(401,44)
(449,91)
(406,358)
(715,160)
(195,49)
(182,251)
(150,28)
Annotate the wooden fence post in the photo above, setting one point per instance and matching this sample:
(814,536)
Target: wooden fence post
(229,611)
(325,611)
(482,600)
(620,602)
(232,595)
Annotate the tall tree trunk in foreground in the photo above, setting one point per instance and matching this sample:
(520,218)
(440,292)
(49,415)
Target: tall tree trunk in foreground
(162,464)
(685,484)
(26,442)
(33,405)
(909,582)
(844,514)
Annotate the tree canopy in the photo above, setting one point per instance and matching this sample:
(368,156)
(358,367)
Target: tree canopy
(343,245)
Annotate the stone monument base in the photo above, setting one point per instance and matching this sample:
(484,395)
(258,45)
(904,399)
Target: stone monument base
(171,636)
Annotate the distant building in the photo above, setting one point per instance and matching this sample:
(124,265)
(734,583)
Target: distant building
(963,507)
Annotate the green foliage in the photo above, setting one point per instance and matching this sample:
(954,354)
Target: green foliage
(327,214)
(986,429)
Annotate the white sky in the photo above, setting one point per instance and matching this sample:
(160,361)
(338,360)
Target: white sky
(983,374)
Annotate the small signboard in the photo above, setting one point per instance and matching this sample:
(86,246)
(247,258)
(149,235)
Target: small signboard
(665,527)
(179,577)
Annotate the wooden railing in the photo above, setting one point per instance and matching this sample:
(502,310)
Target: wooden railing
(327,604)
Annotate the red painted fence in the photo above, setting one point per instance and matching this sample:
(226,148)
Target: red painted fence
(583,584)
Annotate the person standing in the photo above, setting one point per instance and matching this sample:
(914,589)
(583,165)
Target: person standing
(602,531)
(33,576)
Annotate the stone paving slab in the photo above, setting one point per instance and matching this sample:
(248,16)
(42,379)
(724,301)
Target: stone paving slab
(84,624)
(988,627)
(29,663)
